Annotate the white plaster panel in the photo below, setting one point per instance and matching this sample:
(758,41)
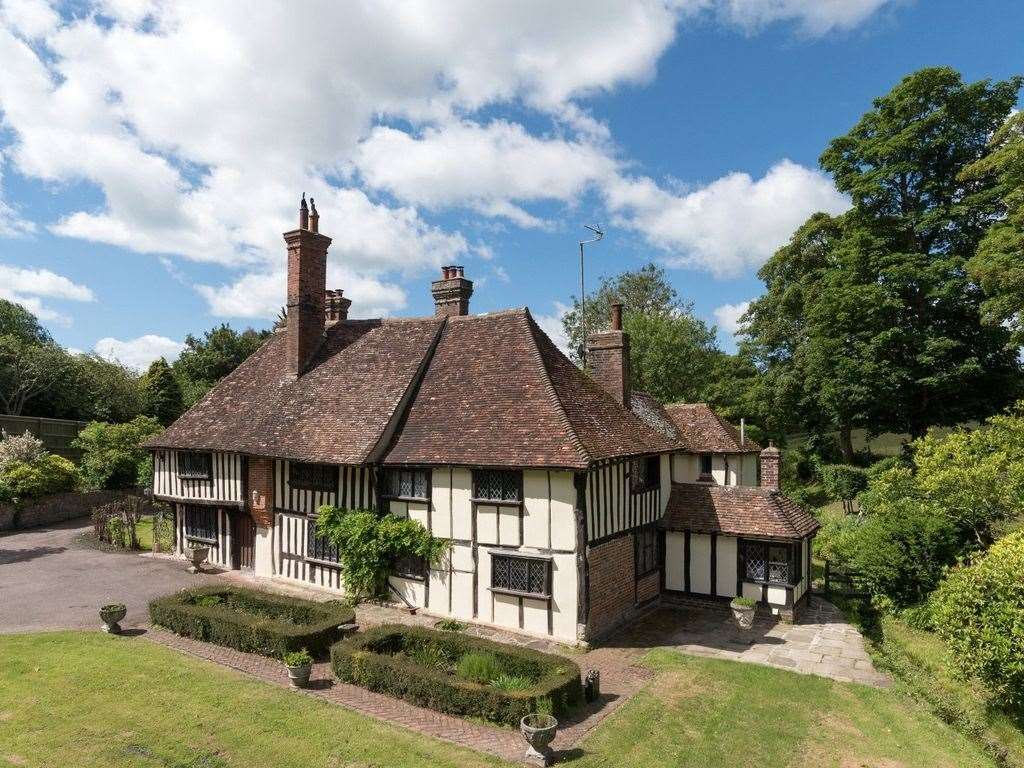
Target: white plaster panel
(462,509)
(461,556)
(264,565)
(564,600)
(753,591)
(397,508)
(418,512)
(718,469)
(462,595)
(674,561)
(700,563)
(440,582)
(506,610)
(777,595)
(508,526)
(536,502)
(535,616)
(563,512)
(725,562)
(486,524)
(440,495)
(412,590)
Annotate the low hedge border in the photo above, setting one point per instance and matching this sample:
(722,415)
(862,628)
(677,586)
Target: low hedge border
(291,624)
(368,660)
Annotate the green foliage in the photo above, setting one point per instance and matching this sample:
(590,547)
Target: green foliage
(112,454)
(743,602)
(251,621)
(543,705)
(95,389)
(504,682)
(370,544)
(449,625)
(836,540)
(842,482)
(19,323)
(24,448)
(27,371)
(979,612)
(383,660)
(297,658)
(479,667)
(43,476)
(161,393)
(207,360)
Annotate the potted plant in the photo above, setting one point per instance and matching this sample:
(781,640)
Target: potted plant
(743,611)
(299,664)
(111,614)
(196,554)
(539,729)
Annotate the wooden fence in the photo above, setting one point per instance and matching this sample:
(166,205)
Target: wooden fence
(56,434)
(841,582)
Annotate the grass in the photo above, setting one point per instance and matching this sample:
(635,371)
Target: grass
(88,699)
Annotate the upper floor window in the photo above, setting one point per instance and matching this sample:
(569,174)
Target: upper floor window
(312,477)
(645,555)
(201,523)
(521,575)
(497,484)
(195,466)
(407,483)
(644,473)
(705,464)
(769,563)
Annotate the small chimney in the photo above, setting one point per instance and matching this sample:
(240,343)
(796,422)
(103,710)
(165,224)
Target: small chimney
(771,464)
(608,357)
(336,306)
(451,293)
(307,283)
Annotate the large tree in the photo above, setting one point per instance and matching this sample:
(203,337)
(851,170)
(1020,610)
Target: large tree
(207,360)
(161,393)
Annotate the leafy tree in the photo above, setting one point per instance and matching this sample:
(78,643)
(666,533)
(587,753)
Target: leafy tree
(95,389)
(735,389)
(979,612)
(112,454)
(27,371)
(997,266)
(206,361)
(842,482)
(161,393)
(18,322)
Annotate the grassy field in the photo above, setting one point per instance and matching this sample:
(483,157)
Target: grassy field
(87,699)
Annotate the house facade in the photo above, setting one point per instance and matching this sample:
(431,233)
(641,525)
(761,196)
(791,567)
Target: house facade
(563,495)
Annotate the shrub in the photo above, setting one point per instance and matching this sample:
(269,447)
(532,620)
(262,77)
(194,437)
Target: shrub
(842,482)
(381,660)
(43,476)
(251,621)
(24,448)
(506,682)
(479,667)
(979,612)
(112,454)
(297,658)
(450,625)
(743,602)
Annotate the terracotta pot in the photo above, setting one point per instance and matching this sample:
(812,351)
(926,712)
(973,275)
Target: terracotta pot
(539,732)
(110,615)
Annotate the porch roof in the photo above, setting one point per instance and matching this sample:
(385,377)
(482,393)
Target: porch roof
(736,510)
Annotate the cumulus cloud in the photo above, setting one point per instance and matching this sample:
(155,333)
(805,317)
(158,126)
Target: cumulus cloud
(138,353)
(29,286)
(814,17)
(728,317)
(551,324)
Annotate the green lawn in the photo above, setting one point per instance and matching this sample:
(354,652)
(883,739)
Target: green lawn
(87,699)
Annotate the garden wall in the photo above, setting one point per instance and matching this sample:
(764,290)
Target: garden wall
(53,509)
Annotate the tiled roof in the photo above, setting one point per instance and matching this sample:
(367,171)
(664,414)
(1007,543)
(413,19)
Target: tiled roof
(336,412)
(653,413)
(736,510)
(701,430)
(498,392)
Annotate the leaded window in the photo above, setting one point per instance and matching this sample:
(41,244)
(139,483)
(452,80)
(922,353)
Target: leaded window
(768,563)
(646,551)
(319,547)
(193,465)
(407,483)
(312,477)
(521,575)
(410,567)
(201,523)
(705,464)
(644,474)
(497,484)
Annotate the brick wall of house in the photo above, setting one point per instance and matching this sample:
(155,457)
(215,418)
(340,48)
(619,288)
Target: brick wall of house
(608,360)
(611,583)
(261,491)
(648,587)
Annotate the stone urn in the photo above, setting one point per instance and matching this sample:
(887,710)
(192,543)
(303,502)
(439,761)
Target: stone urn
(196,555)
(539,732)
(743,612)
(110,615)
(299,675)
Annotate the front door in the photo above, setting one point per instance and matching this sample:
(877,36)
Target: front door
(243,540)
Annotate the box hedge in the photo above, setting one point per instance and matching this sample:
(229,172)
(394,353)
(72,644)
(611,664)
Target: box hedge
(383,660)
(252,621)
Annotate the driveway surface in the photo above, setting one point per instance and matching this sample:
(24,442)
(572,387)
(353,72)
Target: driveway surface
(48,581)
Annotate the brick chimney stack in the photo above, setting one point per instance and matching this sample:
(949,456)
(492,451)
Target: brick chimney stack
(307,283)
(771,465)
(337,306)
(608,358)
(451,293)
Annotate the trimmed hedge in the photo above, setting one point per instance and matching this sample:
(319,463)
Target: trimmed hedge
(378,660)
(252,621)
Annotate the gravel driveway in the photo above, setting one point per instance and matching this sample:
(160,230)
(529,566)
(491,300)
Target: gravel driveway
(48,581)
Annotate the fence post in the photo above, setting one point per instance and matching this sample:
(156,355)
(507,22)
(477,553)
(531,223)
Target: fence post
(828,589)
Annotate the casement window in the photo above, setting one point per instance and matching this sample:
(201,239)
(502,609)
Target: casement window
(407,483)
(705,464)
(193,465)
(201,523)
(645,552)
(319,548)
(529,576)
(312,477)
(410,567)
(767,562)
(497,485)
(644,474)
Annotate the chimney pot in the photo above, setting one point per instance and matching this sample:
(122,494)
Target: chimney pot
(451,293)
(617,316)
(314,217)
(303,213)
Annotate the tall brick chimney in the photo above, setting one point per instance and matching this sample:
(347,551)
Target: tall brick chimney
(337,306)
(608,358)
(451,293)
(307,283)
(771,464)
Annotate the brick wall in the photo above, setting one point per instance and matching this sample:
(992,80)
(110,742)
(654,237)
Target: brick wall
(611,583)
(54,509)
(771,461)
(648,587)
(608,361)
(261,491)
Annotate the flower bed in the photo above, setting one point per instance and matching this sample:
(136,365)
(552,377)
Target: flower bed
(454,673)
(252,621)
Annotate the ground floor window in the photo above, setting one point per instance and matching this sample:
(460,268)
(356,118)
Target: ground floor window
(410,567)
(766,562)
(521,575)
(201,523)
(645,553)
(319,548)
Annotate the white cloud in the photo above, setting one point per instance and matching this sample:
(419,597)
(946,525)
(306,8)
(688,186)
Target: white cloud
(814,17)
(27,287)
(728,317)
(138,353)
(551,324)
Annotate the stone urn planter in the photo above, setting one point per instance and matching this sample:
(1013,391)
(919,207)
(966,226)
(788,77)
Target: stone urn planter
(743,612)
(299,664)
(539,732)
(111,615)
(196,555)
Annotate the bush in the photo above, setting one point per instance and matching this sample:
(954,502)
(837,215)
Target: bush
(297,658)
(842,482)
(979,612)
(252,621)
(24,448)
(43,476)
(382,660)
(479,667)
(112,454)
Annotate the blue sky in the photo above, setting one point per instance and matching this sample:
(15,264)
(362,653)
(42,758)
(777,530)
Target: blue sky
(151,156)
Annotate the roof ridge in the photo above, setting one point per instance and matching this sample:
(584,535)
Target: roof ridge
(552,394)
